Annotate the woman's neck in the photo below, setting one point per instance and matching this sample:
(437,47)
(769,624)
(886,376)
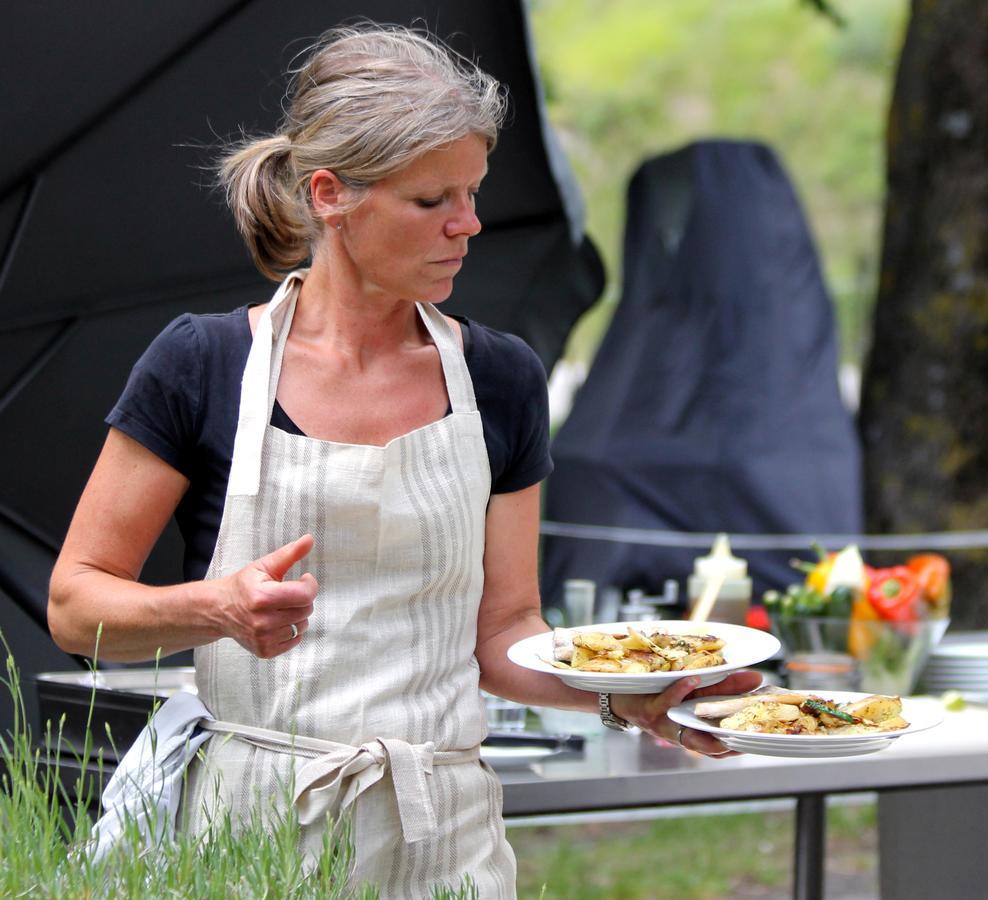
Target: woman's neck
(334,313)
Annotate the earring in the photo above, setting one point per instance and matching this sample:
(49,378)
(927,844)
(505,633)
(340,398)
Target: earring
(339,225)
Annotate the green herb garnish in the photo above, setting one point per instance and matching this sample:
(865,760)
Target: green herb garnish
(819,707)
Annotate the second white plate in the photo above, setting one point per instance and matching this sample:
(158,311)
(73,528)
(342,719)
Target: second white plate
(920,713)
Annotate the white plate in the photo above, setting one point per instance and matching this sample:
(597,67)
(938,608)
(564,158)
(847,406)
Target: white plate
(951,676)
(161,682)
(920,713)
(790,752)
(513,757)
(941,686)
(960,662)
(961,670)
(975,651)
(971,668)
(743,647)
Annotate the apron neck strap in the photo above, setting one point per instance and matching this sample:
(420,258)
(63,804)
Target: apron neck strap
(459,385)
(259,386)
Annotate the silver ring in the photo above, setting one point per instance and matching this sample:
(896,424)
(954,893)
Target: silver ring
(679,735)
(294,629)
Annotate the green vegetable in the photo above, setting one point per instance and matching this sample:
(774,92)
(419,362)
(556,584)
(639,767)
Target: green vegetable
(807,601)
(787,605)
(953,701)
(819,707)
(839,602)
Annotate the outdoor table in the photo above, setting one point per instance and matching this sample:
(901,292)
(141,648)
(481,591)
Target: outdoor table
(932,793)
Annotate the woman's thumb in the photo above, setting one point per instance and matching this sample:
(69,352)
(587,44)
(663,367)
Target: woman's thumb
(279,561)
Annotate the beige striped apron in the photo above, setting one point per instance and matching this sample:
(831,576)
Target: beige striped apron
(377,711)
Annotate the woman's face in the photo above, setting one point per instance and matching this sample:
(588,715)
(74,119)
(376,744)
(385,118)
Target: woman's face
(408,236)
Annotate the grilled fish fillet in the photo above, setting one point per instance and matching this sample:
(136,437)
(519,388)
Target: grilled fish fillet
(719,709)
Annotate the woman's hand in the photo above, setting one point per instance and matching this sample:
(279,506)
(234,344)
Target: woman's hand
(95,589)
(650,711)
(261,611)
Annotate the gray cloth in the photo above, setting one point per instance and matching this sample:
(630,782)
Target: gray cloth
(147,785)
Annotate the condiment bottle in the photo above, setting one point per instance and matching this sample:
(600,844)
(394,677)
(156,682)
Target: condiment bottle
(578,600)
(637,608)
(734,597)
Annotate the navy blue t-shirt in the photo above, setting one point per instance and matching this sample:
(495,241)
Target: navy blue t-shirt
(182,402)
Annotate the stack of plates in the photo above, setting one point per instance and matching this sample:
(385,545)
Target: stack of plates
(959,664)
(808,747)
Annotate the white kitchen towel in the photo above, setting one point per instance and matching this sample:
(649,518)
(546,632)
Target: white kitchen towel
(147,785)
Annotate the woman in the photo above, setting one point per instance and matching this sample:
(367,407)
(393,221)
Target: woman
(361,530)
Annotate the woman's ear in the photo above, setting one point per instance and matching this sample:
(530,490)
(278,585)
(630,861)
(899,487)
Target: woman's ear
(327,193)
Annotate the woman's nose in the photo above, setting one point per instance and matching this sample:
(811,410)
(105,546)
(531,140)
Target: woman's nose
(464,222)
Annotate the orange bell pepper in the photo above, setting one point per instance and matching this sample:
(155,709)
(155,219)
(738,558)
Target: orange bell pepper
(860,635)
(932,571)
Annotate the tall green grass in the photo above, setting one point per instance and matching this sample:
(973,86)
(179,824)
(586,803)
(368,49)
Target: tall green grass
(46,830)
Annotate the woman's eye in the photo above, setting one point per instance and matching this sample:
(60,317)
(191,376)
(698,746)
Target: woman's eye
(428,203)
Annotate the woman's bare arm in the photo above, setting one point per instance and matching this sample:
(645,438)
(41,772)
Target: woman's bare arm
(511,609)
(130,496)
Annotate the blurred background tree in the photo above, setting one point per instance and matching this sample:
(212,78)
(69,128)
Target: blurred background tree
(924,415)
(628,79)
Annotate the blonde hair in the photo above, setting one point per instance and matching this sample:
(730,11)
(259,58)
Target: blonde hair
(366,102)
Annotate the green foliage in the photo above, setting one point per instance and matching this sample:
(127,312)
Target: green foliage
(45,829)
(629,79)
(704,856)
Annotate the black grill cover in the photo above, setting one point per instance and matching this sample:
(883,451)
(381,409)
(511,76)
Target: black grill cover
(712,404)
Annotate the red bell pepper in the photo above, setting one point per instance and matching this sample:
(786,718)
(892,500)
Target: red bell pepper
(894,594)
(757,617)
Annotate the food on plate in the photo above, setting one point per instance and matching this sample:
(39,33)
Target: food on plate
(792,713)
(719,709)
(634,652)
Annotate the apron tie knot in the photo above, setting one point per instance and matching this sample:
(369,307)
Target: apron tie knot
(332,781)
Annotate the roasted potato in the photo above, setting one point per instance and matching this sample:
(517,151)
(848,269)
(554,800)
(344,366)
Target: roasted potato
(874,708)
(635,652)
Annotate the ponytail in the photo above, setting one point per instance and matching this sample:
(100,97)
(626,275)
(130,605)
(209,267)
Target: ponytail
(260,183)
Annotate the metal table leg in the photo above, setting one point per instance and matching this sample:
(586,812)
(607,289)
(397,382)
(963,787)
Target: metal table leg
(811,835)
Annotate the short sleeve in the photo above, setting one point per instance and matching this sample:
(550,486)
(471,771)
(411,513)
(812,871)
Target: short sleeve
(513,399)
(159,405)
(529,462)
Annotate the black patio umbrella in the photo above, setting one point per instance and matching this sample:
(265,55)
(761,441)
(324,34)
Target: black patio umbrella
(110,117)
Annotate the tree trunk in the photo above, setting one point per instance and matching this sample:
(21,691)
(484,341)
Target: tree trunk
(924,412)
